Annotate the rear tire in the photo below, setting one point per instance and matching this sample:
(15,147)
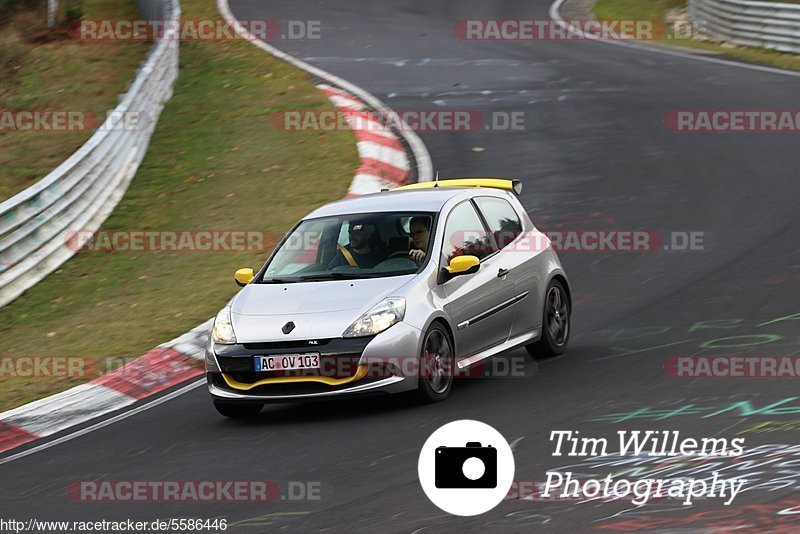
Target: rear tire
(556,323)
(237,410)
(436,367)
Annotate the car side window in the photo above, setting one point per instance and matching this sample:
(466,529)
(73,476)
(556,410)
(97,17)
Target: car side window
(465,235)
(502,219)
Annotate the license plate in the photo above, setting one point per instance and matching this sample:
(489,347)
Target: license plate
(286,362)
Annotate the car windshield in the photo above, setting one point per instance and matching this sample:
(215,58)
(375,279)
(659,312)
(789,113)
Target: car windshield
(351,247)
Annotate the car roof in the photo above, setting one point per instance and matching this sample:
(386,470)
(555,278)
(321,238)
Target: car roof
(427,200)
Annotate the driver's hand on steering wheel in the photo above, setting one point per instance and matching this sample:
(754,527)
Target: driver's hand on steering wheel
(417,255)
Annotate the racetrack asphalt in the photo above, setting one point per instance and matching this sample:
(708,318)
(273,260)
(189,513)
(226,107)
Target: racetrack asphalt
(594,155)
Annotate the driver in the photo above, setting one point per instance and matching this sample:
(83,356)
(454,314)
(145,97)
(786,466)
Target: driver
(420,232)
(360,251)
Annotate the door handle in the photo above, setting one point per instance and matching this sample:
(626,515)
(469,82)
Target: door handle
(502,272)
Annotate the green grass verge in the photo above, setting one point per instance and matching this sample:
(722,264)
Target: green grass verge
(657,10)
(63,74)
(215,162)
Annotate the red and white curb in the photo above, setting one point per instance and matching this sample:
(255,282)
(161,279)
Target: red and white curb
(384,164)
(384,161)
(163,367)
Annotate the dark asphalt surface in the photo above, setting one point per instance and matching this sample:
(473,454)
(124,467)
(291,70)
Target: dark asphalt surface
(595,155)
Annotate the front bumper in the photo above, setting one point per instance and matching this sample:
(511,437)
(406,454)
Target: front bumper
(348,367)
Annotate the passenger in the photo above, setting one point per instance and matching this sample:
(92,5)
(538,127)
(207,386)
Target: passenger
(361,250)
(420,231)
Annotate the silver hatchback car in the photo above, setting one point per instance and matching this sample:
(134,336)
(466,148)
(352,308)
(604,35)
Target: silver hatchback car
(390,292)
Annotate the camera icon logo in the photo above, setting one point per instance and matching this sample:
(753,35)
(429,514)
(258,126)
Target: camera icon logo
(466,467)
(472,466)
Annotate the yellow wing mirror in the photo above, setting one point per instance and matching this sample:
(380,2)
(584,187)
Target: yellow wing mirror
(461,265)
(243,277)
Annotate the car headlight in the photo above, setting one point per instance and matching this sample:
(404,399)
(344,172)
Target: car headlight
(380,317)
(222,332)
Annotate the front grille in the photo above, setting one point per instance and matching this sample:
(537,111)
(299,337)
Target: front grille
(296,344)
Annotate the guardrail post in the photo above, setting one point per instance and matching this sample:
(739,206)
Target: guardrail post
(52,7)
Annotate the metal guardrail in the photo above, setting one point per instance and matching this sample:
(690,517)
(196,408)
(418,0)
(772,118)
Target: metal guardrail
(36,224)
(748,23)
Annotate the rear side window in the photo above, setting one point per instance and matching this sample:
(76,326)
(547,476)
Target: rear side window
(465,235)
(502,219)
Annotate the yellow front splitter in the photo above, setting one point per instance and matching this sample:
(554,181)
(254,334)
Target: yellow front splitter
(361,372)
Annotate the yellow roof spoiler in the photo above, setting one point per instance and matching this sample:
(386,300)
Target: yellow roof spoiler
(496,183)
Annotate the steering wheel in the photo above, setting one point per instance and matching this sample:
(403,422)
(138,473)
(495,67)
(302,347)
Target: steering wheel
(398,254)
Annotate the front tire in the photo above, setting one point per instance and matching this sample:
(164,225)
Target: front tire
(237,410)
(556,323)
(436,367)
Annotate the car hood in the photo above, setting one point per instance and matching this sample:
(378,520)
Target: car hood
(317,309)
